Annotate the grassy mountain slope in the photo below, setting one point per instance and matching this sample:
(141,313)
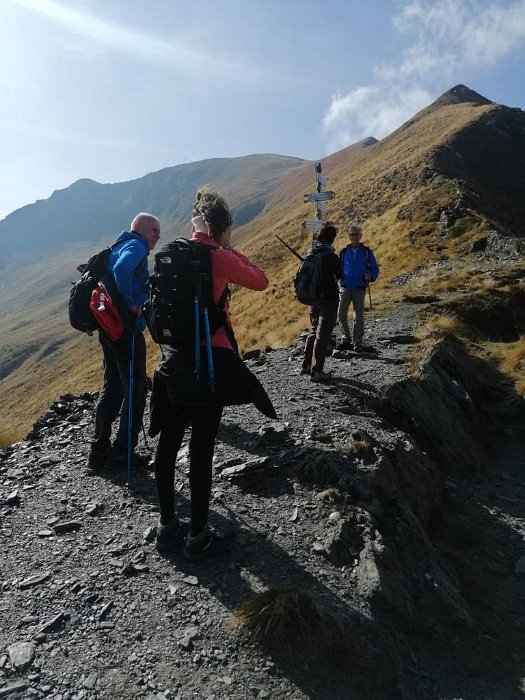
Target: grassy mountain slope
(399,188)
(89,210)
(431,196)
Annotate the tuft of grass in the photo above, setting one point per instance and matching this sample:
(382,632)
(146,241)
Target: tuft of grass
(510,358)
(7,438)
(330,495)
(287,622)
(279,616)
(320,435)
(439,326)
(358,448)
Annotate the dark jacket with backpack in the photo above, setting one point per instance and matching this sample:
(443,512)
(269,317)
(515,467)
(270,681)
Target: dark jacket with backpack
(175,383)
(330,272)
(315,280)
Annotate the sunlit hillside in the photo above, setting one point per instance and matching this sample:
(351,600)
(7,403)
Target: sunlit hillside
(430,205)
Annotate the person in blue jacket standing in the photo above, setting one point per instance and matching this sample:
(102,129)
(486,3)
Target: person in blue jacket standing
(128,264)
(359,268)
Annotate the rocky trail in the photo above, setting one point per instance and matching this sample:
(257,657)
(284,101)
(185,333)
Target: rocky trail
(380,549)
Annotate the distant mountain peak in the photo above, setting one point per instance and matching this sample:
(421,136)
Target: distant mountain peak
(460,94)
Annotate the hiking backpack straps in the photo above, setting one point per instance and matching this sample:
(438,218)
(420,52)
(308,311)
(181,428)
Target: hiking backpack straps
(181,290)
(95,302)
(307,280)
(367,257)
(80,316)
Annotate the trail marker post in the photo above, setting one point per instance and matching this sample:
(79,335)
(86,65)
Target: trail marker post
(319,198)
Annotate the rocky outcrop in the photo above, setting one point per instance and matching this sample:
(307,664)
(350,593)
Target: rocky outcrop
(362,496)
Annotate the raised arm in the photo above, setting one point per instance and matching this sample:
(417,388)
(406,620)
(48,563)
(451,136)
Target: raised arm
(239,270)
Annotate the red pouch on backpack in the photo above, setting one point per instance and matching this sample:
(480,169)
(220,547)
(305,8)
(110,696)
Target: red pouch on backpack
(106,313)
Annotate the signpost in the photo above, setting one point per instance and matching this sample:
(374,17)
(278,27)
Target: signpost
(319,198)
(312,225)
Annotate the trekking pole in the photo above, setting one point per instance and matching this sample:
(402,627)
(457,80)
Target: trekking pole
(369,294)
(197,320)
(289,247)
(130,404)
(197,338)
(211,371)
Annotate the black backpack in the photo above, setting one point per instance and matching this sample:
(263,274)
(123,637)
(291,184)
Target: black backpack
(180,290)
(93,272)
(80,316)
(307,280)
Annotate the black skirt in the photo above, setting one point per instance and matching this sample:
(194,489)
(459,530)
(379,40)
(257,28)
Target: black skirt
(176,385)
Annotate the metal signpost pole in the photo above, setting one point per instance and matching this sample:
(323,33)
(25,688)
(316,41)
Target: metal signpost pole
(319,198)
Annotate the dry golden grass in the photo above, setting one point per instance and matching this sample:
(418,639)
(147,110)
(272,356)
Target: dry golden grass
(510,358)
(436,327)
(376,185)
(7,439)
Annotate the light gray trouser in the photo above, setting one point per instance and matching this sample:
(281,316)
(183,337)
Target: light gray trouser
(357,298)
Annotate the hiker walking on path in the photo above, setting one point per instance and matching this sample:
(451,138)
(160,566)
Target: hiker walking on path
(359,268)
(323,312)
(128,264)
(182,395)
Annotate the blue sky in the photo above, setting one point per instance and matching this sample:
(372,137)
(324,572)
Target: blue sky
(113,89)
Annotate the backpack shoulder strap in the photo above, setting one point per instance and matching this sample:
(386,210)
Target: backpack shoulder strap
(367,256)
(140,267)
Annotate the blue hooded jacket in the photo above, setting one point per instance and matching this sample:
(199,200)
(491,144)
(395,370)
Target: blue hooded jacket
(355,262)
(128,262)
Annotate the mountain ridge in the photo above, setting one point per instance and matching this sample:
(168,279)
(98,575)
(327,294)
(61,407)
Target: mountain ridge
(89,210)
(440,210)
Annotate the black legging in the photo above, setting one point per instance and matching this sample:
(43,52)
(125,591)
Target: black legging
(205,424)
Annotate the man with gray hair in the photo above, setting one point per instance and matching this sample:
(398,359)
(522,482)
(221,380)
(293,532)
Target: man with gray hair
(128,264)
(359,268)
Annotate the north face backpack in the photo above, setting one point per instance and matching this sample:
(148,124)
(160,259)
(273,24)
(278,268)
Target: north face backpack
(180,289)
(307,280)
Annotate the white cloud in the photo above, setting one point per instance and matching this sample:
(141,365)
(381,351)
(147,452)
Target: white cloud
(369,111)
(446,38)
(175,53)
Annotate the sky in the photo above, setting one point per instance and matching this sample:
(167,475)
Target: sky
(114,89)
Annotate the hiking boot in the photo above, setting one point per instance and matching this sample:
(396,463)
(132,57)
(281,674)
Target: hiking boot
(96,459)
(119,460)
(345,345)
(170,535)
(318,376)
(305,370)
(365,348)
(207,543)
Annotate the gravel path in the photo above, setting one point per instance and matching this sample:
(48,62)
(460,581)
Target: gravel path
(414,574)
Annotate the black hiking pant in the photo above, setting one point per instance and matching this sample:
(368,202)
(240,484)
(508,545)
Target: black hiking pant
(115,392)
(205,423)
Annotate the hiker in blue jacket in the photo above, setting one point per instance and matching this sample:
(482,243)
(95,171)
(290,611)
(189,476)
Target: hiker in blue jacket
(128,264)
(359,269)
